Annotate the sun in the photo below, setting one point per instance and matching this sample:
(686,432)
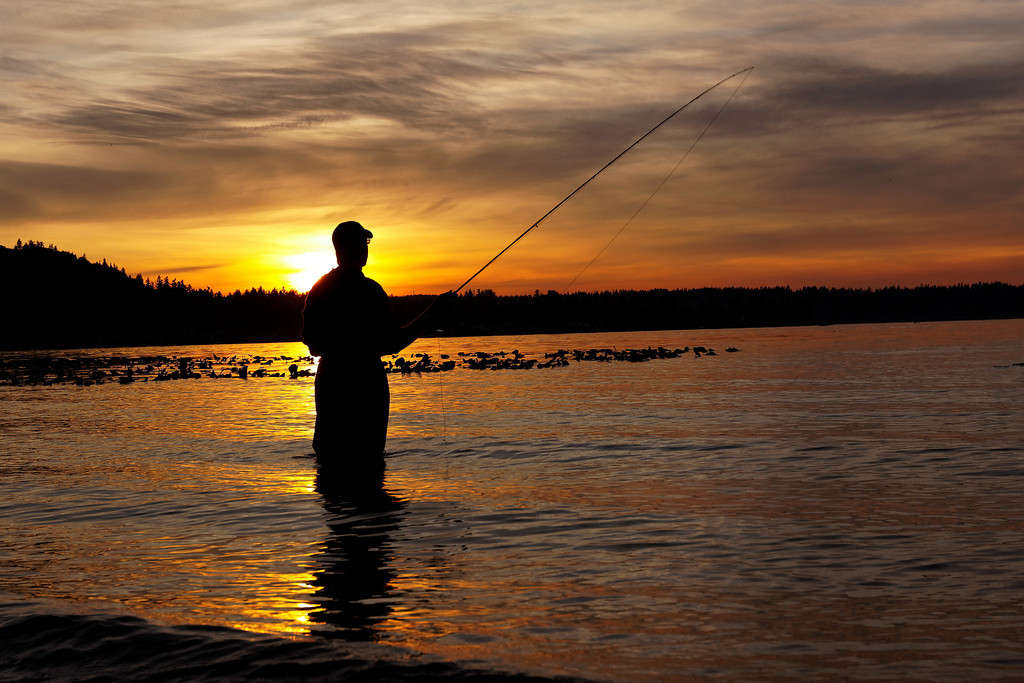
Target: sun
(305,269)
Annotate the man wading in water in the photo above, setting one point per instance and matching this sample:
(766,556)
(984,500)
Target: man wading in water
(348,323)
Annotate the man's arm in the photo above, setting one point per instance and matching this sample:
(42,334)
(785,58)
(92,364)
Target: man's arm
(312,326)
(422,324)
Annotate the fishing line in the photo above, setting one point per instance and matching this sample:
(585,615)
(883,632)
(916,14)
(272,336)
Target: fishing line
(599,172)
(440,387)
(662,183)
(585,183)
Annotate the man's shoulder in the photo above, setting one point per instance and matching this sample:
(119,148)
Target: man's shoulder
(338,283)
(374,286)
(324,281)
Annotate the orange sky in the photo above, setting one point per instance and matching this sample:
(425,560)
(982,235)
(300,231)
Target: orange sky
(874,144)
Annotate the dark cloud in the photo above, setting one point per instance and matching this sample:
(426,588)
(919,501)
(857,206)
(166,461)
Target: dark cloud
(837,89)
(114,16)
(415,80)
(17,205)
(188,268)
(56,183)
(103,122)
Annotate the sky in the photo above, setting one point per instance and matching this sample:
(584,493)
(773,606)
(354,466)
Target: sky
(873,143)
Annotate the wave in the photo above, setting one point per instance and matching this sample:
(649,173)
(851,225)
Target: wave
(52,641)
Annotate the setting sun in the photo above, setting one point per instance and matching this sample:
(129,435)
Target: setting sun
(305,269)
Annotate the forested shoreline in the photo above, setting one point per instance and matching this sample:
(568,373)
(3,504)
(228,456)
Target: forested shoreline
(55,299)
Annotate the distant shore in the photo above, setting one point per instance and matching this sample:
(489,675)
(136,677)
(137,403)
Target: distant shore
(56,300)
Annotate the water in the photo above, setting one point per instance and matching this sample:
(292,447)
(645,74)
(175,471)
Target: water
(834,502)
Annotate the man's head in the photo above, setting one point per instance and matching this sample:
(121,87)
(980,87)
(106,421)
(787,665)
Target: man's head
(350,243)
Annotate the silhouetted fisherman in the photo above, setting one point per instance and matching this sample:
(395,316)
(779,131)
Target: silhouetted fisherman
(348,323)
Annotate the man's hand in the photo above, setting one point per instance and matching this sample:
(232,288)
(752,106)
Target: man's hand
(439,311)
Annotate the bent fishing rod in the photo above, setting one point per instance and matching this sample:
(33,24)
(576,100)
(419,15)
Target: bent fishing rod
(585,183)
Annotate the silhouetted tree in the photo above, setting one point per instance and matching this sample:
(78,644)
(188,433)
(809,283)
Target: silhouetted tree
(54,299)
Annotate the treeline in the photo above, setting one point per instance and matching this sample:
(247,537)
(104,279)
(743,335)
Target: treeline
(55,299)
(664,309)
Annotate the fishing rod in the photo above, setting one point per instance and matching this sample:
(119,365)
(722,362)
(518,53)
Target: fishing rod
(599,172)
(657,189)
(589,180)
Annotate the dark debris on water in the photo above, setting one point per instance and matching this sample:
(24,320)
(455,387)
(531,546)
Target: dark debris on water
(89,371)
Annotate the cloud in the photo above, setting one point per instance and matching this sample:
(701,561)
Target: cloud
(829,88)
(178,268)
(51,185)
(465,121)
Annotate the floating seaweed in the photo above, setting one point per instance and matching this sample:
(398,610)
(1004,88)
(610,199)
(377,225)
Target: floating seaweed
(89,371)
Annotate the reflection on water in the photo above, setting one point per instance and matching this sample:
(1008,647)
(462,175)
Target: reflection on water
(829,502)
(352,572)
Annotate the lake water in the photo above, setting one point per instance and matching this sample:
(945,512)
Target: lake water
(828,503)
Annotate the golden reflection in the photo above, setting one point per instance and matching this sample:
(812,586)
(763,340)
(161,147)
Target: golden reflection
(276,616)
(303,483)
(251,571)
